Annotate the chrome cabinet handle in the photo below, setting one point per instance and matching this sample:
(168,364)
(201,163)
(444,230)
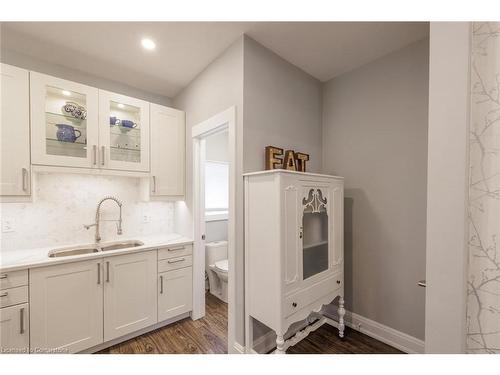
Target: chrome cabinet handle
(154,184)
(98,273)
(21,324)
(176,261)
(25,179)
(175,248)
(4,294)
(3,277)
(422,283)
(103,150)
(161,284)
(94,154)
(107,272)
(301,232)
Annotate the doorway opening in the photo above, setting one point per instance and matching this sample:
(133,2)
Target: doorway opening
(214,209)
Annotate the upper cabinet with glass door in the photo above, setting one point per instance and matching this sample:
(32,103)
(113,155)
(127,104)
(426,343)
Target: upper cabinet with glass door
(123,132)
(64,122)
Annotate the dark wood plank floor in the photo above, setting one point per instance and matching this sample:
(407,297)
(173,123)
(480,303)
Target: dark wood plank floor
(209,335)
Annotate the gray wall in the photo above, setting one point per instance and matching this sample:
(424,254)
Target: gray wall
(375,135)
(217,88)
(282,108)
(37,65)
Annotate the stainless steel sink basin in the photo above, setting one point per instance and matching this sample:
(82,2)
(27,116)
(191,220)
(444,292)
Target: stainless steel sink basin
(121,245)
(77,250)
(93,248)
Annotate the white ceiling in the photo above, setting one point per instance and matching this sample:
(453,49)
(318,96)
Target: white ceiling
(184,49)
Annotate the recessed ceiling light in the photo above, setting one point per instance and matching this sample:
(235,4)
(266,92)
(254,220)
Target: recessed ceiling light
(148,44)
(66,93)
(120,105)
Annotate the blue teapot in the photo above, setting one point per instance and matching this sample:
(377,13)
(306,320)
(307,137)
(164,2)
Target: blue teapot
(66,133)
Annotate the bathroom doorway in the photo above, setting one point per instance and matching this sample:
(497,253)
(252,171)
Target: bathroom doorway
(214,210)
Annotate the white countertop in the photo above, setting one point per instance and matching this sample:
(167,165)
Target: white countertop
(14,260)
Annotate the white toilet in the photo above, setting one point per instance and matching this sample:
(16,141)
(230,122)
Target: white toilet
(216,265)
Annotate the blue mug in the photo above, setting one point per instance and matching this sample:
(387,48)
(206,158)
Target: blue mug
(114,121)
(66,133)
(129,124)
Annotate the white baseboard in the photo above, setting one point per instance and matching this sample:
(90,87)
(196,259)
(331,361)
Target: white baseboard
(383,333)
(238,349)
(378,331)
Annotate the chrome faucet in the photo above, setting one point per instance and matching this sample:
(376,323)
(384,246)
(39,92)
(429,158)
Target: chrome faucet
(97,218)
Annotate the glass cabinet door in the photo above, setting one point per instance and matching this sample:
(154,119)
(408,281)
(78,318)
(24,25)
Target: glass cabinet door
(124,132)
(315,248)
(64,122)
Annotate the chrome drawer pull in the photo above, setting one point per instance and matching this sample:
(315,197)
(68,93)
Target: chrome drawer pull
(3,277)
(161,284)
(98,273)
(4,294)
(103,148)
(177,260)
(154,184)
(107,272)
(94,155)
(175,248)
(21,313)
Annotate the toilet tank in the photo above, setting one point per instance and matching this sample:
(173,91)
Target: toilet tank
(215,251)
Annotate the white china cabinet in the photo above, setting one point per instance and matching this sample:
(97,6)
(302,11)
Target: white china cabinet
(64,122)
(168,139)
(14,132)
(123,132)
(293,251)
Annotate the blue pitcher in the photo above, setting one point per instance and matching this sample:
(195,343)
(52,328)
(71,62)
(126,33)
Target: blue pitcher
(66,133)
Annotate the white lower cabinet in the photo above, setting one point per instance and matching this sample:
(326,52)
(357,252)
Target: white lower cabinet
(175,294)
(14,329)
(66,304)
(130,301)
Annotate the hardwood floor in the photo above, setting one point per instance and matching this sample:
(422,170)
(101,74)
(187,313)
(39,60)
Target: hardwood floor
(209,335)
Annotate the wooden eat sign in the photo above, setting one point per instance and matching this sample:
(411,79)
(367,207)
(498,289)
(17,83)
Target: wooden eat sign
(293,161)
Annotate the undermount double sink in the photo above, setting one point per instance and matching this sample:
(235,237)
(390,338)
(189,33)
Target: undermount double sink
(94,248)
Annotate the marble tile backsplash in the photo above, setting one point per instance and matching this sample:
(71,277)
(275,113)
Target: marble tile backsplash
(63,203)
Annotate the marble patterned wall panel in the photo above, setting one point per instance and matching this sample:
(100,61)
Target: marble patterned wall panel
(64,202)
(483,307)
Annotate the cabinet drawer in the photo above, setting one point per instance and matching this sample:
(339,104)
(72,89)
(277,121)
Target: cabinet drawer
(174,263)
(13,279)
(175,251)
(13,296)
(306,296)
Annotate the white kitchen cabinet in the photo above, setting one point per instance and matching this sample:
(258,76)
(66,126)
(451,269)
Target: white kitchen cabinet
(14,329)
(168,151)
(15,165)
(123,132)
(130,286)
(293,250)
(175,293)
(64,122)
(66,303)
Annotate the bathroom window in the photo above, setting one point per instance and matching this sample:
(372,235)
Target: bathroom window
(216,190)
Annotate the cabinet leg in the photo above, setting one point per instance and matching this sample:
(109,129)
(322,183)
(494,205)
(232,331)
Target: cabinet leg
(341,312)
(280,345)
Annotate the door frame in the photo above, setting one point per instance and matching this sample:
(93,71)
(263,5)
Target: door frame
(225,120)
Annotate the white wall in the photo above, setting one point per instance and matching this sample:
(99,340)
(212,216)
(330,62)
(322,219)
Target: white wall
(447,187)
(375,135)
(217,149)
(63,203)
(282,108)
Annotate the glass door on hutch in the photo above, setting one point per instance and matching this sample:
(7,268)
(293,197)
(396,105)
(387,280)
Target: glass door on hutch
(64,122)
(123,132)
(315,231)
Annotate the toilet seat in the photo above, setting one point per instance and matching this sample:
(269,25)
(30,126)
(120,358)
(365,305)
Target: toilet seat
(222,265)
